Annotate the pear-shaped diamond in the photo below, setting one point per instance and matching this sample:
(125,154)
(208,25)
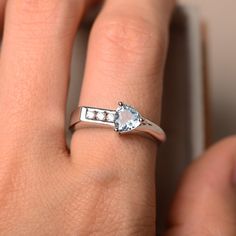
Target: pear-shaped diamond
(126,118)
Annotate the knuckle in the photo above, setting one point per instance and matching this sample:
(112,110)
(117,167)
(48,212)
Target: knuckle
(32,5)
(31,11)
(42,18)
(108,206)
(128,35)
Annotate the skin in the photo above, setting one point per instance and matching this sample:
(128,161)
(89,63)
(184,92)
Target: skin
(105,185)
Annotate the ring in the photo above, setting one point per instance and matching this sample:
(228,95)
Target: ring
(124,120)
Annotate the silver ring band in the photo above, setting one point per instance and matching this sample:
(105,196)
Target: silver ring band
(125,119)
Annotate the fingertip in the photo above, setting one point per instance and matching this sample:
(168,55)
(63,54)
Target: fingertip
(205,200)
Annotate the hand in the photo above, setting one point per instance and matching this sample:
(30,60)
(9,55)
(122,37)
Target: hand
(105,185)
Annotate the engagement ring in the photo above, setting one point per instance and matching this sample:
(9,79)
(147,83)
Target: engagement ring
(124,120)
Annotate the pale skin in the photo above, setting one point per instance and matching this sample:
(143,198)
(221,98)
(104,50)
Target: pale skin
(105,185)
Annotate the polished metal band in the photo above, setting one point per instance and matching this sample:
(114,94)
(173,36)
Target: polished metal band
(125,119)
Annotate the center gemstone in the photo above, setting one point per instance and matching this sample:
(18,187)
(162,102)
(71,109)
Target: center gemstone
(126,118)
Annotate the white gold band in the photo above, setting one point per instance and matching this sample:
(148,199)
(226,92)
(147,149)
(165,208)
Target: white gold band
(125,119)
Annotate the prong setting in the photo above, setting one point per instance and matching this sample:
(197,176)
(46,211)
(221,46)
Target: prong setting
(141,120)
(120,104)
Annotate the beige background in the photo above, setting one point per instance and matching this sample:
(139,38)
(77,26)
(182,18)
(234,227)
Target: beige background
(220,18)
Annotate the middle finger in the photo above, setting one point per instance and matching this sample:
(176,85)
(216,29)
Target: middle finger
(35,63)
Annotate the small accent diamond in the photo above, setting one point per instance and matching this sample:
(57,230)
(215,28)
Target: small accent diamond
(110,117)
(101,116)
(90,114)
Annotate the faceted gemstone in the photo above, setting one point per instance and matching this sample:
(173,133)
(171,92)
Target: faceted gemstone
(90,114)
(126,118)
(101,116)
(110,117)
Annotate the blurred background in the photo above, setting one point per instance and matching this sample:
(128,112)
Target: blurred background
(220,19)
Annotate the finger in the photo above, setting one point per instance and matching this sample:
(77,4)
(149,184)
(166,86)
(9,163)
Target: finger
(125,62)
(35,62)
(205,203)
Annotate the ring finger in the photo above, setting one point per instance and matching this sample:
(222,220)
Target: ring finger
(125,62)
